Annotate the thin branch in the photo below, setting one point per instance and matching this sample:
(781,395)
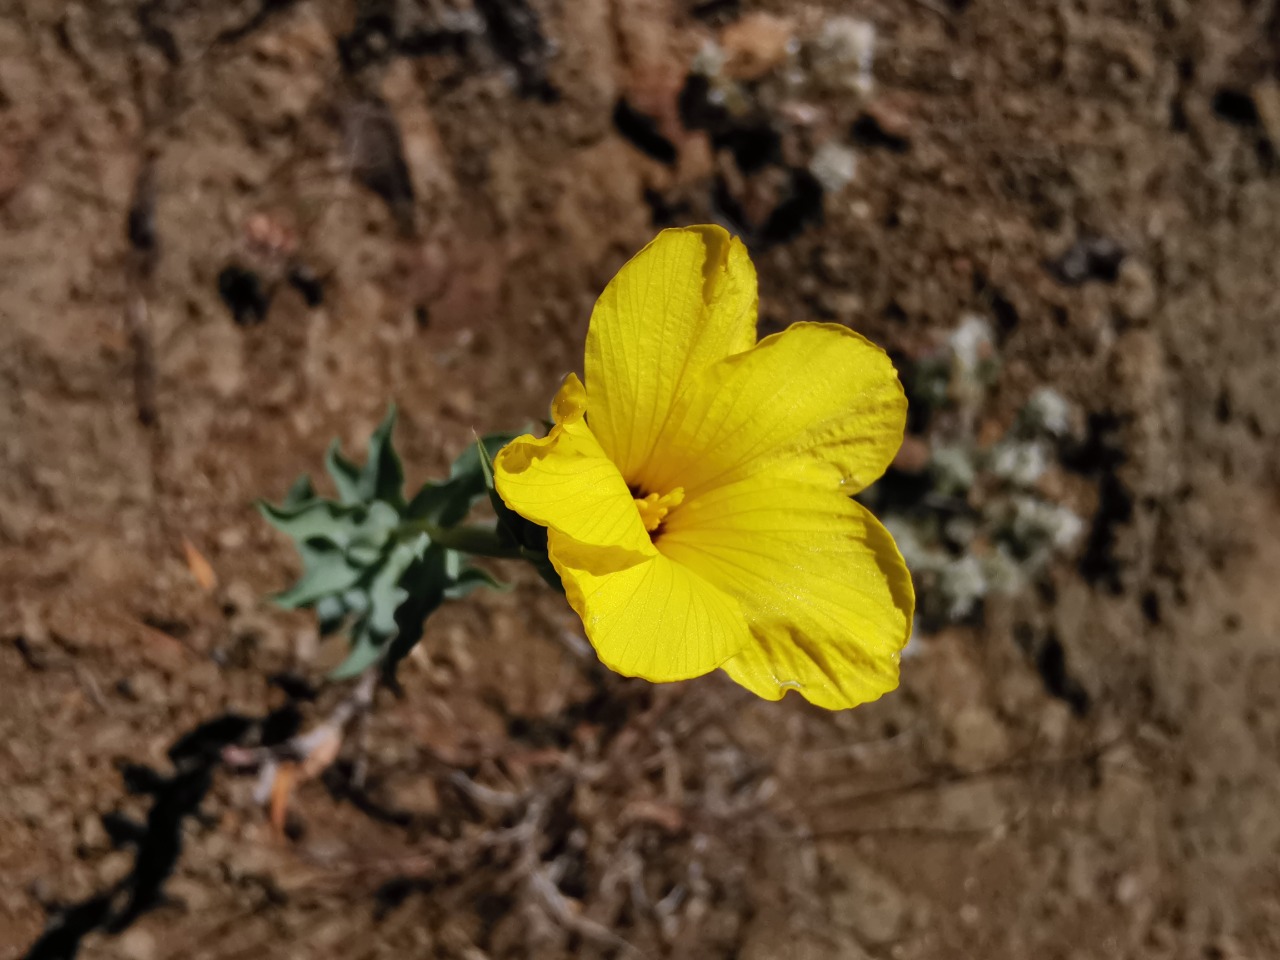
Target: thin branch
(326,736)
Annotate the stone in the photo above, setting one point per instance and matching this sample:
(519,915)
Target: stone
(978,739)
(28,803)
(866,901)
(1135,296)
(136,944)
(91,834)
(756,44)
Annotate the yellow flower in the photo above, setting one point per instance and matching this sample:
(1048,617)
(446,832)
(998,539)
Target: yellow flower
(696,491)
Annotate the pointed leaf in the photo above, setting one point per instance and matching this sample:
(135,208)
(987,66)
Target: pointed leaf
(300,493)
(424,581)
(345,474)
(327,572)
(331,612)
(542,563)
(515,527)
(383,475)
(356,601)
(472,579)
(364,554)
(377,524)
(443,504)
(365,652)
(385,593)
(447,504)
(315,519)
(471,462)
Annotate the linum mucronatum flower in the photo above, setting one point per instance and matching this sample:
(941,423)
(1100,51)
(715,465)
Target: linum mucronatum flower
(696,491)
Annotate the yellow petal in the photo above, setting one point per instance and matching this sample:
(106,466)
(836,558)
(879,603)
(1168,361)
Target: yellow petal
(656,619)
(685,301)
(817,397)
(827,596)
(570,402)
(565,482)
(645,615)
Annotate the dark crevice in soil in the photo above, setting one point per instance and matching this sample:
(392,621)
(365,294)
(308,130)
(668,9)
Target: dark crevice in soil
(1236,107)
(245,295)
(1001,307)
(158,842)
(666,211)
(1051,661)
(258,19)
(516,35)
(156,34)
(379,34)
(867,132)
(716,11)
(376,149)
(1101,455)
(1091,257)
(801,209)
(753,140)
(384,29)
(642,131)
(754,145)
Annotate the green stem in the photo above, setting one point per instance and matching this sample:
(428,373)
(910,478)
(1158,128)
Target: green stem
(477,541)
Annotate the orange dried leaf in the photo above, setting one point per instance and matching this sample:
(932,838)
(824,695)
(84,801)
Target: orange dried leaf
(200,568)
(281,790)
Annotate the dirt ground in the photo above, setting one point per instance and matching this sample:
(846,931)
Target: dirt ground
(230,231)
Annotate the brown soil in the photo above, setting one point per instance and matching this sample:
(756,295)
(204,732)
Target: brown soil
(429,196)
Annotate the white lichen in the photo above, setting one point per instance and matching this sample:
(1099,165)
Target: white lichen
(834,165)
(1037,525)
(1004,574)
(962,584)
(1021,463)
(918,557)
(953,469)
(1047,411)
(844,54)
(971,343)
(709,61)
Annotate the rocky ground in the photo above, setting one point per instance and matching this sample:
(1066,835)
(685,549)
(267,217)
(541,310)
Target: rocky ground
(232,231)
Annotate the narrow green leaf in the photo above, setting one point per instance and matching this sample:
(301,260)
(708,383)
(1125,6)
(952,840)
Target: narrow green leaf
(299,494)
(345,474)
(477,459)
(331,613)
(447,504)
(514,526)
(443,504)
(383,475)
(542,563)
(385,593)
(425,581)
(472,579)
(365,652)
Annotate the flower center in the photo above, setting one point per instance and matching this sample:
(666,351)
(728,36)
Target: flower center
(654,507)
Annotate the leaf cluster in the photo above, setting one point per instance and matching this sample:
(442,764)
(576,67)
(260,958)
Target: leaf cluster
(376,565)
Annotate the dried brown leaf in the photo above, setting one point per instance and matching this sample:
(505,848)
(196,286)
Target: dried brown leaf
(200,568)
